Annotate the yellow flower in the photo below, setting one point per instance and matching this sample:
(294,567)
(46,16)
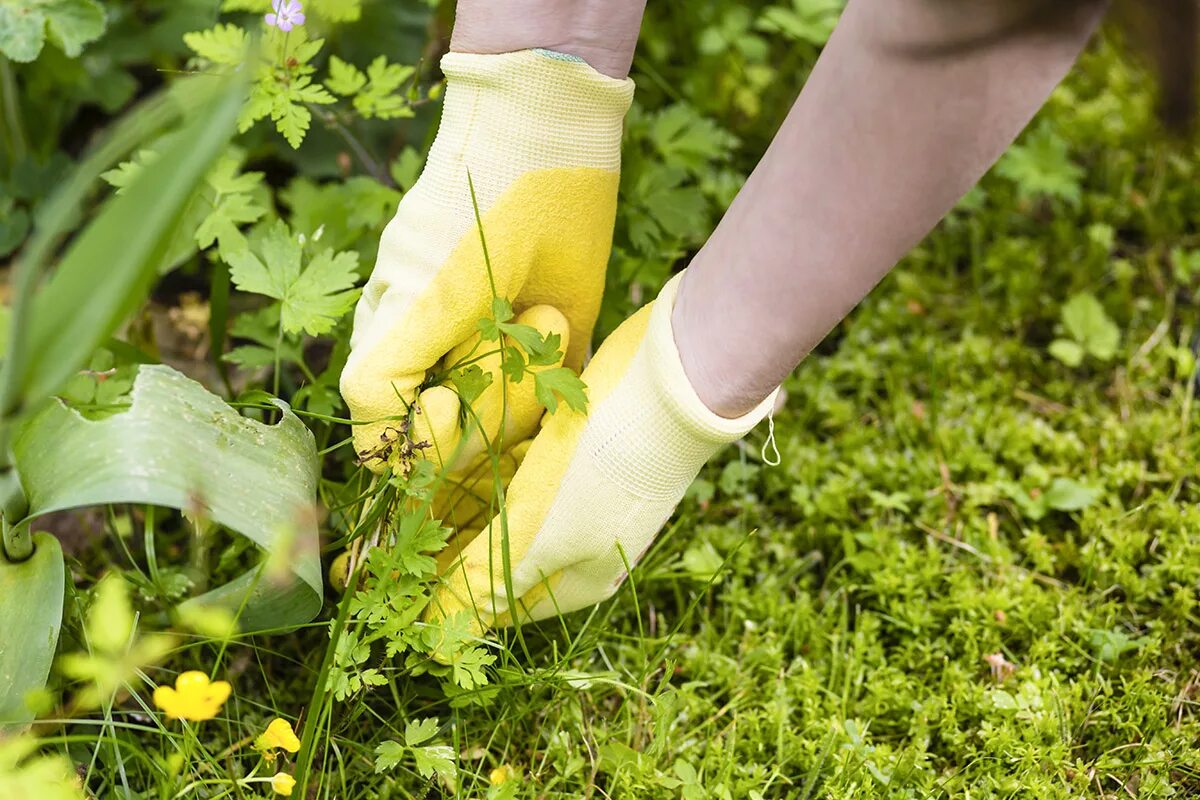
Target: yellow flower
(502,774)
(279,734)
(283,784)
(193,698)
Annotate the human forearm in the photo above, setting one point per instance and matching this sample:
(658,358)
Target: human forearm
(601,32)
(878,147)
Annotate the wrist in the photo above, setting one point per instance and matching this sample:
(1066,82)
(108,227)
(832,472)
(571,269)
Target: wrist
(720,398)
(601,32)
(718,376)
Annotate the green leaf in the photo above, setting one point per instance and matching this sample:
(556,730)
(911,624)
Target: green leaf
(22,30)
(344,78)
(810,21)
(417,732)
(1068,352)
(560,383)
(1111,645)
(379,98)
(1088,324)
(702,561)
(1065,494)
(110,619)
(174,432)
(470,382)
(388,755)
(31,605)
(407,168)
(313,299)
(72,24)
(1040,165)
(78,307)
(437,759)
(221,44)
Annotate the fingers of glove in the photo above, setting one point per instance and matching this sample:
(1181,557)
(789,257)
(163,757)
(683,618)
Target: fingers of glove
(429,289)
(539,497)
(468,499)
(505,412)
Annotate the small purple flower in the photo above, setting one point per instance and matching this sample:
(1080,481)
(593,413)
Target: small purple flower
(288,14)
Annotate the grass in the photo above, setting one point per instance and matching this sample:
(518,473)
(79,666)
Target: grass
(974,573)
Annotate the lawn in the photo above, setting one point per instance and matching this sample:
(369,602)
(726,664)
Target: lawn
(972,573)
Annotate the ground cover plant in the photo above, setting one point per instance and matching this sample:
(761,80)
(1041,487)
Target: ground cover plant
(974,571)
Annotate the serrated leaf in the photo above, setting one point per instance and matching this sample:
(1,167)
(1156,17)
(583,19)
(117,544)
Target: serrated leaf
(417,732)
(22,31)
(379,97)
(291,119)
(435,759)
(344,78)
(1040,165)
(388,755)
(323,293)
(312,300)
(220,44)
(71,25)
(470,382)
(551,385)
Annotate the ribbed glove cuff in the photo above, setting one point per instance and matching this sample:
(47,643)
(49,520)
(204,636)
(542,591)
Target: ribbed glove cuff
(560,107)
(676,390)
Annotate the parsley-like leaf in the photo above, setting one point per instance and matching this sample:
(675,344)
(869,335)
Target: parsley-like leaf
(551,385)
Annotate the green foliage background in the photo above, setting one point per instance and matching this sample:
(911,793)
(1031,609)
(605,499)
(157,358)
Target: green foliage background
(975,572)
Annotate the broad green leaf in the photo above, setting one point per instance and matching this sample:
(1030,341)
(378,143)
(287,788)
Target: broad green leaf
(434,759)
(388,755)
(1065,494)
(1067,351)
(110,620)
(560,383)
(312,299)
(27,772)
(31,607)
(1090,326)
(72,24)
(180,446)
(418,732)
(110,266)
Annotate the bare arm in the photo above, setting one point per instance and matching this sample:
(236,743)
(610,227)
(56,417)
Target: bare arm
(878,147)
(601,32)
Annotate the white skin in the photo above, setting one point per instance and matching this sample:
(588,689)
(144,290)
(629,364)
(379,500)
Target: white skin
(878,147)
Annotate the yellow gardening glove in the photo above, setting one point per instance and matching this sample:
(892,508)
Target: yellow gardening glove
(594,488)
(539,134)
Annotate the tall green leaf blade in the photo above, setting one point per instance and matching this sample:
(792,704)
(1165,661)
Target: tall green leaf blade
(108,270)
(180,446)
(31,607)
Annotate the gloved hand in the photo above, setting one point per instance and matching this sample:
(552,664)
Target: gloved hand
(539,134)
(594,488)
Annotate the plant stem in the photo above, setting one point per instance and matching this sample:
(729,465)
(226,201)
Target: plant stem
(12,112)
(369,162)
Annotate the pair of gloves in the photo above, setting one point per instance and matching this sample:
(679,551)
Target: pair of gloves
(528,150)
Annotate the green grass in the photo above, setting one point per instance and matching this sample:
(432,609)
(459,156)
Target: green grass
(974,574)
